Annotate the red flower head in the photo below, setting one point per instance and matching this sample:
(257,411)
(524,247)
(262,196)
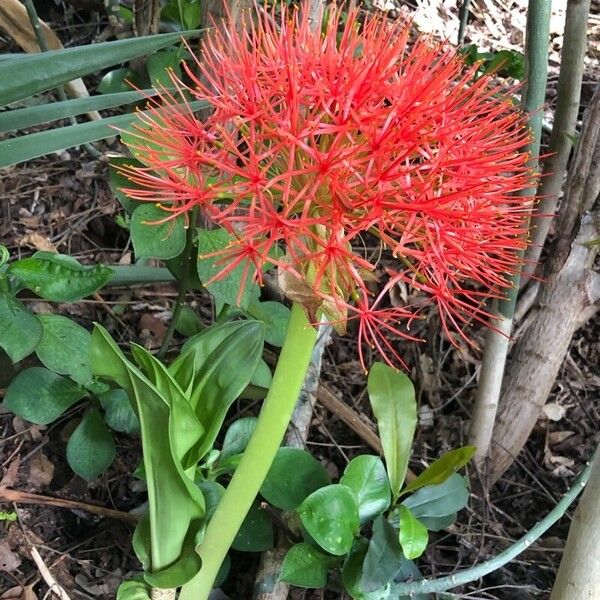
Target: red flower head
(319,137)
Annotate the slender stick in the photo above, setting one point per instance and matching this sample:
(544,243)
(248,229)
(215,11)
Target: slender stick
(497,340)
(258,456)
(441,584)
(563,130)
(184,284)
(463,15)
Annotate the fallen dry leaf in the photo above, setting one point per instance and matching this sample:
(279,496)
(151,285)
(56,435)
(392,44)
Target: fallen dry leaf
(554,411)
(10,477)
(38,241)
(9,560)
(19,593)
(41,471)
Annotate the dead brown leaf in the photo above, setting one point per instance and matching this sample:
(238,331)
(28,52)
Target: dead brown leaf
(19,593)
(38,241)
(41,471)
(9,560)
(10,477)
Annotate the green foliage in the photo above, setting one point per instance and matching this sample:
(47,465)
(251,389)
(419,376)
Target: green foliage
(305,566)
(275,316)
(392,398)
(256,533)
(118,412)
(58,277)
(330,515)
(439,500)
(293,476)
(91,448)
(153,239)
(506,63)
(412,533)
(20,330)
(133,590)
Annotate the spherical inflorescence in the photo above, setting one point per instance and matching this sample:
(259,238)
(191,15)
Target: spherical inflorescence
(319,139)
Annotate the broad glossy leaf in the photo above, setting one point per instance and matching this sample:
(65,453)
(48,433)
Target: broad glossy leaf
(365,475)
(20,330)
(383,557)
(91,448)
(153,239)
(412,533)
(59,278)
(176,503)
(293,476)
(392,398)
(65,348)
(441,469)
(330,515)
(256,533)
(41,396)
(439,500)
(237,437)
(26,75)
(275,316)
(118,413)
(305,566)
(226,290)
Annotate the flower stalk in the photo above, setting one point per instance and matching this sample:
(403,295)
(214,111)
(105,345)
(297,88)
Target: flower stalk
(258,456)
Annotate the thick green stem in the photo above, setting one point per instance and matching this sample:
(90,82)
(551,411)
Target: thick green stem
(256,461)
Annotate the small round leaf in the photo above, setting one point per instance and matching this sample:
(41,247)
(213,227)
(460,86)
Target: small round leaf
(153,239)
(305,566)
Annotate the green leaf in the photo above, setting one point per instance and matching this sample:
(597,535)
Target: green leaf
(438,523)
(203,370)
(262,376)
(237,437)
(22,118)
(162,240)
(392,398)
(305,566)
(293,476)
(188,322)
(26,75)
(41,396)
(365,475)
(133,590)
(330,515)
(65,348)
(160,64)
(118,181)
(91,448)
(26,147)
(212,492)
(226,290)
(256,533)
(413,534)
(507,63)
(439,500)
(118,413)
(177,503)
(441,469)
(59,278)
(20,330)
(118,80)
(275,316)
(383,557)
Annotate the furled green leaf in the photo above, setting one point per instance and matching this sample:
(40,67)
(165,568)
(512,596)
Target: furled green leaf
(26,75)
(275,316)
(59,278)
(91,448)
(305,566)
(153,239)
(177,505)
(41,396)
(412,533)
(293,476)
(133,590)
(441,469)
(330,515)
(383,557)
(118,413)
(65,348)
(392,398)
(439,500)
(226,290)
(256,533)
(365,475)
(20,330)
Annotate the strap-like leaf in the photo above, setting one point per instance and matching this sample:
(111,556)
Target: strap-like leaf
(30,146)
(26,75)
(44,113)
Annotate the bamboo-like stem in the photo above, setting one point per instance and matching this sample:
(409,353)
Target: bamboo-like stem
(578,576)
(463,15)
(497,340)
(563,130)
(258,456)
(441,584)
